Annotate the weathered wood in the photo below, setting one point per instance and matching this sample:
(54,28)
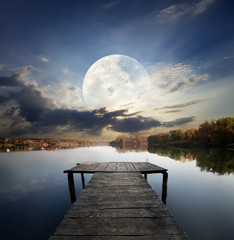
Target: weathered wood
(164,187)
(82,180)
(101,167)
(118,203)
(148,237)
(118,226)
(71,186)
(92,167)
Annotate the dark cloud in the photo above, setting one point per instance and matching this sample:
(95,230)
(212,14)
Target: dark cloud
(93,122)
(12,112)
(32,103)
(135,124)
(179,121)
(34,113)
(3,99)
(43,115)
(11,81)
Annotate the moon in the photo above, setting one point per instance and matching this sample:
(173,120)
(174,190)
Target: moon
(113,81)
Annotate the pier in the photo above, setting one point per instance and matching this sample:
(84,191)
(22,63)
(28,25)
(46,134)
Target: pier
(118,203)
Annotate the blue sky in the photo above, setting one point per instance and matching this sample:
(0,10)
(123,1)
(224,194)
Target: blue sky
(46,48)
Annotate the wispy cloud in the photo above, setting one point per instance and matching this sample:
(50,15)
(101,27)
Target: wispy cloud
(176,11)
(173,78)
(181,105)
(172,111)
(179,121)
(43,59)
(110,4)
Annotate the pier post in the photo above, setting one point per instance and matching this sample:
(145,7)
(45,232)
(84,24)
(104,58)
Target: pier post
(83,180)
(145,175)
(164,187)
(71,186)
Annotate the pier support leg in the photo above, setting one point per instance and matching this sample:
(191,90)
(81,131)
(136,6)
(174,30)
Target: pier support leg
(71,186)
(83,180)
(164,187)
(145,175)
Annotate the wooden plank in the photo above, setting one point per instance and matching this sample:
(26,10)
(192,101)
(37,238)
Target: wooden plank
(130,192)
(117,175)
(118,226)
(130,167)
(144,166)
(111,167)
(148,237)
(137,166)
(155,168)
(87,167)
(121,167)
(117,213)
(92,167)
(101,167)
(129,205)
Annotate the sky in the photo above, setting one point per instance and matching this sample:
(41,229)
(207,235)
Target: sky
(47,47)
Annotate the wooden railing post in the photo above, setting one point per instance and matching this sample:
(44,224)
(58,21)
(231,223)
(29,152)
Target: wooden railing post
(71,186)
(164,187)
(83,180)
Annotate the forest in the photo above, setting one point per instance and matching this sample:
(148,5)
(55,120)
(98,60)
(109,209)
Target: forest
(218,132)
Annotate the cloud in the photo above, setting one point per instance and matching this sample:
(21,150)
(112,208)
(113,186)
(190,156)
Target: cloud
(35,113)
(30,111)
(43,59)
(68,96)
(65,70)
(93,122)
(201,6)
(110,4)
(19,77)
(10,81)
(172,111)
(135,124)
(181,105)
(173,78)
(176,11)
(179,121)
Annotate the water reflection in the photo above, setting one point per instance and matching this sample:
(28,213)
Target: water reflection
(213,160)
(34,195)
(130,148)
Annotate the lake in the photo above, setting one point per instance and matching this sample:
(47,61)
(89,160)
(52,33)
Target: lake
(34,193)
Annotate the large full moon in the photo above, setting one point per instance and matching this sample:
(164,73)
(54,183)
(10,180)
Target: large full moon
(113,81)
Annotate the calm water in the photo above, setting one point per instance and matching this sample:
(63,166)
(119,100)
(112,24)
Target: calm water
(34,193)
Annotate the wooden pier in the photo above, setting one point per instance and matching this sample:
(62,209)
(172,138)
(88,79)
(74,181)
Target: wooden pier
(117,203)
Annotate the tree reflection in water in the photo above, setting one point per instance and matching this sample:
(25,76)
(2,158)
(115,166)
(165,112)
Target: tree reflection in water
(215,160)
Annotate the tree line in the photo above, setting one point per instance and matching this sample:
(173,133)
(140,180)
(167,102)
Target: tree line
(212,133)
